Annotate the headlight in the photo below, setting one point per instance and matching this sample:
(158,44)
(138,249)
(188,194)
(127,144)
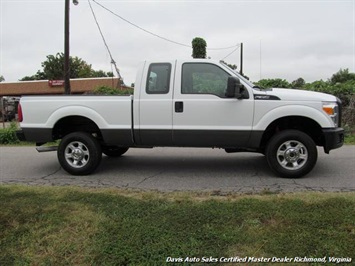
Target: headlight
(332,110)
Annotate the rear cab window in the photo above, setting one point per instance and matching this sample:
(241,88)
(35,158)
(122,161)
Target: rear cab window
(158,79)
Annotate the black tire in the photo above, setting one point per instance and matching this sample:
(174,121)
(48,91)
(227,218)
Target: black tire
(79,153)
(291,153)
(114,151)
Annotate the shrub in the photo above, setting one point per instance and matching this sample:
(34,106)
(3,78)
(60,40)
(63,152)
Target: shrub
(344,91)
(106,90)
(8,135)
(199,48)
(273,83)
(343,75)
(348,118)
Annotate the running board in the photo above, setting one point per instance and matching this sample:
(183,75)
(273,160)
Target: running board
(46,148)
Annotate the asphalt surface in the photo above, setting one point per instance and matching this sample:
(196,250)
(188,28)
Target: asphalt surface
(180,169)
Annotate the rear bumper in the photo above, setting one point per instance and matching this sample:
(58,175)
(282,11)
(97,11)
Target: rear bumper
(333,138)
(34,134)
(20,135)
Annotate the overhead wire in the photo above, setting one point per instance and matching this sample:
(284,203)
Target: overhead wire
(238,46)
(154,34)
(103,38)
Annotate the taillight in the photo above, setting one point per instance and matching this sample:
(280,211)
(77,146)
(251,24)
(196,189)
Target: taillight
(19,112)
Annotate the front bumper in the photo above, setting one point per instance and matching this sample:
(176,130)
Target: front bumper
(333,138)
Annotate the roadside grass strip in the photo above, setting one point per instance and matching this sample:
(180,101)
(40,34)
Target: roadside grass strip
(81,226)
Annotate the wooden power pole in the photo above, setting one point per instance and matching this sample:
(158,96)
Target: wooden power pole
(66,49)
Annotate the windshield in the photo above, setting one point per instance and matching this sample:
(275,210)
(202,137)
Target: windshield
(240,76)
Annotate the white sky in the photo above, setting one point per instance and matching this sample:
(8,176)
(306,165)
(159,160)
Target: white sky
(282,39)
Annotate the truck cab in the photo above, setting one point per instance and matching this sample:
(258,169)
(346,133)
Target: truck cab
(185,104)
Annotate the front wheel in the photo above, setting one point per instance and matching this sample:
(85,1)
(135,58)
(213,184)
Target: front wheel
(291,153)
(79,153)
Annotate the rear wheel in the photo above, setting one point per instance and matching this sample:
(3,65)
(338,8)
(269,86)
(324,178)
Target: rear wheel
(291,153)
(79,153)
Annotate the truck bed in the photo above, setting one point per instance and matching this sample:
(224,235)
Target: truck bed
(109,113)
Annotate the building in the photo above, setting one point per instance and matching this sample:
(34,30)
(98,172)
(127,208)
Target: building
(11,91)
(47,87)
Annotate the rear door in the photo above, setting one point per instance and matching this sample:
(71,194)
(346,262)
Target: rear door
(155,104)
(202,115)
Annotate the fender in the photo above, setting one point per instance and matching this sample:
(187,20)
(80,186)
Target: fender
(292,110)
(76,111)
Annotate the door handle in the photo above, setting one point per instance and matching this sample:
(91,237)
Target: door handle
(179,107)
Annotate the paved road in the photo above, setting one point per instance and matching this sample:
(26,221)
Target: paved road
(177,169)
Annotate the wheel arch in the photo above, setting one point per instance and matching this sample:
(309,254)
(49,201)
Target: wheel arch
(301,123)
(75,123)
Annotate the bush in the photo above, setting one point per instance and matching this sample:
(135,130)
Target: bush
(199,48)
(273,83)
(8,135)
(343,75)
(106,90)
(344,91)
(348,118)
(341,85)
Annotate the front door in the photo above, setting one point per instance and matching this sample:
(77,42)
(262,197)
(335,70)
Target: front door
(202,115)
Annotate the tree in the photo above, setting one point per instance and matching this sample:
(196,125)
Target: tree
(53,68)
(273,83)
(234,66)
(298,83)
(199,48)
(343,75)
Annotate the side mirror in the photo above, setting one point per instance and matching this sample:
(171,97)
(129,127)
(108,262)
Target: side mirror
(234,88)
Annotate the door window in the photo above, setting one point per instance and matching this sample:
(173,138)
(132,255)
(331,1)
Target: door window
(204,78)
(158,79)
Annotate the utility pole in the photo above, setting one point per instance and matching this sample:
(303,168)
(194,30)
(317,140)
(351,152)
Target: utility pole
(241,59)
(66,46)
(66,49)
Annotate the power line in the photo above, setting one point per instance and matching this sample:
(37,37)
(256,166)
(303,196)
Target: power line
(103,38)
(238,45)
(154,34)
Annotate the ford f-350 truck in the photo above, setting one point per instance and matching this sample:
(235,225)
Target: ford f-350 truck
(187,103)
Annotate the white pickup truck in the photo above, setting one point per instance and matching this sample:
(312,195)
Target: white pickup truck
(191,103)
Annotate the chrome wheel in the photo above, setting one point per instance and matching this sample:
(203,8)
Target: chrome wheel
(292,155)
(77,154)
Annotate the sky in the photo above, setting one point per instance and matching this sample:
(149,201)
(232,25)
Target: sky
(281,39)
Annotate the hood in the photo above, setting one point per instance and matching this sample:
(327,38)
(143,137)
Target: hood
(300,95)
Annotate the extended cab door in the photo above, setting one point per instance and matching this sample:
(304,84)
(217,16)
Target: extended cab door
(202,115)
(155,105)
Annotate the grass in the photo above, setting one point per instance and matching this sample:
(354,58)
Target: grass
(79,226)
(350,139)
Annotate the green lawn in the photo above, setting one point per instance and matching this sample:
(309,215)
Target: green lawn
(79,226)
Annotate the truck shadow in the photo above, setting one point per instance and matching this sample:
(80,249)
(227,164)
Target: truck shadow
(246,164)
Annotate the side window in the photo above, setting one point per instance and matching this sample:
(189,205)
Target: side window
(158,79)
(203,78)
